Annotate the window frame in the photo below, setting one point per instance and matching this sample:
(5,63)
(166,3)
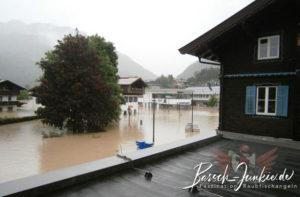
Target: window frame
(268,47)
(266,100)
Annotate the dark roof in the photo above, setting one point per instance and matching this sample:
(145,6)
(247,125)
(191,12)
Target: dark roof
(15,86)
(130,80)
(172,173)
(200,45)
(127,80)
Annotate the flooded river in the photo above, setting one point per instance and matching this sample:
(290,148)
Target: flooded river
(23,151)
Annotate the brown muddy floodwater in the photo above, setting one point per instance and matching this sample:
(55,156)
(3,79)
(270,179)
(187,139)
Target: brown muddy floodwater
(24,152)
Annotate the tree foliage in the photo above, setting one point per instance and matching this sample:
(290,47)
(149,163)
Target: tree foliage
(166,82)
(206,75)
(78,89)
(109,62)
(212,102)
(23,95)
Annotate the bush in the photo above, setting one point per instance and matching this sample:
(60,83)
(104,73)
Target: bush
(23,95)
(17,119)
(212,102)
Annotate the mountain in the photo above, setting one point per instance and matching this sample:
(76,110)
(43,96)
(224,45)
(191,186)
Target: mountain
(194,68)
(43,31)
(22,45)
(129,68)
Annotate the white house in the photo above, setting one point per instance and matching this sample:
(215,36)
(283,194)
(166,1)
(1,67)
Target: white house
(8,95)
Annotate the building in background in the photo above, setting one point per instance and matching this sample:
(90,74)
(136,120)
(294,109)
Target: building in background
(165,98)
(132,89)
(201,95)
(180,84)
(8,95)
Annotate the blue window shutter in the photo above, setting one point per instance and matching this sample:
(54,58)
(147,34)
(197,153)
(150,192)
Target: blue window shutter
(250,99)
(282,101)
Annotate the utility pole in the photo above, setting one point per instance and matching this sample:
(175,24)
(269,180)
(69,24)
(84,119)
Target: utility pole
(129,113)
(192,112)
(154,106)
(179,109)
(178,96)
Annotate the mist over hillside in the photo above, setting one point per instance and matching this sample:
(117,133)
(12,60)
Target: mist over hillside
(194,68)
(128,67)
(22,45)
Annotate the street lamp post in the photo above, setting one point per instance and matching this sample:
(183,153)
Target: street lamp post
(179,106)
(192,111)
(129,114)
(154,106)
(179,109)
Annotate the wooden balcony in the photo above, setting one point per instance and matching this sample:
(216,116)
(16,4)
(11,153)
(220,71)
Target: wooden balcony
(133,91)
(9,92)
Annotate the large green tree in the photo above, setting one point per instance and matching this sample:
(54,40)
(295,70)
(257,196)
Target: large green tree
(205,76)
(79,89)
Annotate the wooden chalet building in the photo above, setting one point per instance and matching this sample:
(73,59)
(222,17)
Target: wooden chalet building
(258,49)
(8,95)
(132,89)
(132,85)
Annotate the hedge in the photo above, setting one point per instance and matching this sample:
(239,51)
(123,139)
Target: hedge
(7,120)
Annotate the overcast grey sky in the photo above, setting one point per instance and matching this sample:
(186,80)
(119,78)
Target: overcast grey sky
(150,32)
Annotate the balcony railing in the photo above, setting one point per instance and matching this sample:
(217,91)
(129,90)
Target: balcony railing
(134,91)
(6,93)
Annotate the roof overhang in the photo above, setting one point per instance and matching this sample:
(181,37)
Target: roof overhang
(202,46)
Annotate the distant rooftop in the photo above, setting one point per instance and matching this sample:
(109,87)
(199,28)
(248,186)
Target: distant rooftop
(170,91)
(205,90)
(127,80)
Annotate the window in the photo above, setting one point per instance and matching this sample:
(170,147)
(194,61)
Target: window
(266,100)
(135,99)
(130,99)
(10,108)
(1,98)
(1,109)
(9,98)
(268,47)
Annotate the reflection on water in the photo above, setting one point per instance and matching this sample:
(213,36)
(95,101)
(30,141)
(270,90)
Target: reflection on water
(19,155)
(24,152)
(26,109)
